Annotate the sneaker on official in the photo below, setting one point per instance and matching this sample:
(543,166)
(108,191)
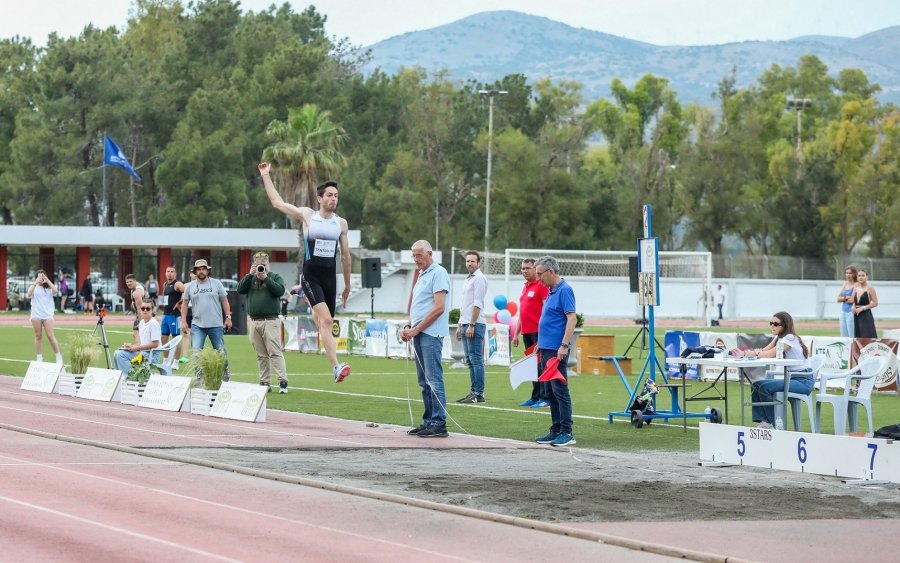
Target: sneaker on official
(227,375)
(267,386)
(341,371)
(526,403)
(282,388)
(416,430)
(175,366)
(548,438)
(470,398)
(183,360)
(433,431)
(563,439)
(479,398)
(540,404)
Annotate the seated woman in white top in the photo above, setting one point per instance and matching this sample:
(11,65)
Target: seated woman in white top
(802,381)
(149,335)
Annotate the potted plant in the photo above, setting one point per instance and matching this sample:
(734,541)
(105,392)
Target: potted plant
(135,381)
(209,365)
(81,350)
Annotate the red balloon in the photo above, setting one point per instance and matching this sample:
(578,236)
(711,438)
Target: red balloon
(512,308)
(497,318)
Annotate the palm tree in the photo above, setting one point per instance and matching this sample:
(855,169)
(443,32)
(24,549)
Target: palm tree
(307,145)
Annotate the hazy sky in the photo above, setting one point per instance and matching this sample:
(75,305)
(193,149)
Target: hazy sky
(669,22)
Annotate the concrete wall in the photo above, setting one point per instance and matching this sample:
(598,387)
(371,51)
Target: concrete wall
(679,298)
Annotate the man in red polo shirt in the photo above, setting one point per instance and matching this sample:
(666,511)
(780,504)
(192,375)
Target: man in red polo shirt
(531,303)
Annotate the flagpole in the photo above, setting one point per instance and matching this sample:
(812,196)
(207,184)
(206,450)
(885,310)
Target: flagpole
(103,199)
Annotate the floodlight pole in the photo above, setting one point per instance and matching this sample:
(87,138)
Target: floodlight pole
(491,94)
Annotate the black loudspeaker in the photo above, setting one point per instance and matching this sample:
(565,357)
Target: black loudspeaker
(633,274)
(238,304)
(371,272)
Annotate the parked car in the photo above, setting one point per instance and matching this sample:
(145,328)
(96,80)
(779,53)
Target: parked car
(17,295)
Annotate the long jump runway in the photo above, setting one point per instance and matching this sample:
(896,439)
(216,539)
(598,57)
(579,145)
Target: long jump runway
(75,487)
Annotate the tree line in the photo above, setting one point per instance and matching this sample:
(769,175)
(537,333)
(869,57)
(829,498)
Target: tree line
(196,95)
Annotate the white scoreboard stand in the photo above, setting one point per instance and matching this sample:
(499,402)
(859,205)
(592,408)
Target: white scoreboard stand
(868,459)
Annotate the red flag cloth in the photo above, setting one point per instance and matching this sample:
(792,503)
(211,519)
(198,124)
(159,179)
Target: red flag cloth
(530,350)
(551,371)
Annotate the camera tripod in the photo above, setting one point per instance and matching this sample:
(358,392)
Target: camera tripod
(643,333)
(101,328)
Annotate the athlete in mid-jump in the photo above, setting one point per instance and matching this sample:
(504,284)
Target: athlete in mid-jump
(323,232)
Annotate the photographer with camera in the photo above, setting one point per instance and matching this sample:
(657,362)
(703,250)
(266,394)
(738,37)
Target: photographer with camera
(264,290)
(40,292)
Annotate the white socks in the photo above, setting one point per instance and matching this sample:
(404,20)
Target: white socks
(59,358)
(40,357)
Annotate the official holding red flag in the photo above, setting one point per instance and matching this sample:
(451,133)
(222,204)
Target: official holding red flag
(555,330)
(531,302)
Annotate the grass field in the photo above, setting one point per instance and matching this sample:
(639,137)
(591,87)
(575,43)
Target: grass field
(385,391)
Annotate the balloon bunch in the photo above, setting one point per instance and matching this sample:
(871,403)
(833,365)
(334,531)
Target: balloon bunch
(506,310)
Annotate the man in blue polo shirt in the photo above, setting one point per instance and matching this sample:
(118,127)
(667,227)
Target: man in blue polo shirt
(555,331)
(429,316)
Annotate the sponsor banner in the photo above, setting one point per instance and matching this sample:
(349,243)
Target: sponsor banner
(675,342)
(863,348)
(302,335)
(725,340)
(240,401)
(100,385)
(496,342)
(340,330)
(41,376)
(167,392)
(396,348)
(837,352)
(376,338)
(356,337)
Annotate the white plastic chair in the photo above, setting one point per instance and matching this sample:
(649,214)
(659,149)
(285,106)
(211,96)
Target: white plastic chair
(117,302)
(845,404)
(814,363)
(167,352)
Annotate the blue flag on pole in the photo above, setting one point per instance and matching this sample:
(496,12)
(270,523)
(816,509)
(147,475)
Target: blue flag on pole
(112,154)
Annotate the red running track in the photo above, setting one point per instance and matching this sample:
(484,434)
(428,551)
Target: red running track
(64,501)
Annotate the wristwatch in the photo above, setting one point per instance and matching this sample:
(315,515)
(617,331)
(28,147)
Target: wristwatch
(564,345)
(228,317)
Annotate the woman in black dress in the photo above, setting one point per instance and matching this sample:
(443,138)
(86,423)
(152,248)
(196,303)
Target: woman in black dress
(864,300)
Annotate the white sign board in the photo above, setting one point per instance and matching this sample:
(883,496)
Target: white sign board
(41,377)
(167,393)
(822,454)
(101,385)
(240,401)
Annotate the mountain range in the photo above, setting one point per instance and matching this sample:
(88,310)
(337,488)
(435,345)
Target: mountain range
(489,45)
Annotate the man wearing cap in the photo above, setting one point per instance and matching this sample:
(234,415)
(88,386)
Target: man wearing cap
(264,289)
(211,310)
(323,233)
(555,330)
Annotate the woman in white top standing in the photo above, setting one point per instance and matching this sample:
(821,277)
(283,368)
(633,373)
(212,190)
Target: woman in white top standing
(40,292)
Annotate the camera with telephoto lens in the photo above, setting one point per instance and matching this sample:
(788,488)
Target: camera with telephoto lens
(260,269)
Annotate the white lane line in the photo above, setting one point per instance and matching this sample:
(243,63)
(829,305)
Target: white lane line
(132,486)
(119,530)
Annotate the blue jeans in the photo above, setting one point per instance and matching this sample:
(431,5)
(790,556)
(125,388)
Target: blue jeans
(557,394)
(123,359)
(431,378)
(765,390)
(847,327)
(216,336)
(473,348)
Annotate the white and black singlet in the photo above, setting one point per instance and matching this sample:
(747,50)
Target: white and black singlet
(320,268)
